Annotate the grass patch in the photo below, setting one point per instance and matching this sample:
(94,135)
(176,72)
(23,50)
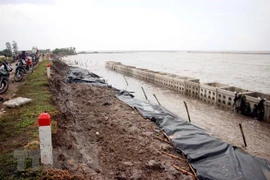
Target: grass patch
(18,126)
(8,59)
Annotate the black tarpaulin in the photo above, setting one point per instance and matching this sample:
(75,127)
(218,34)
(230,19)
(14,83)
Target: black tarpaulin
(210,157)
(79,75)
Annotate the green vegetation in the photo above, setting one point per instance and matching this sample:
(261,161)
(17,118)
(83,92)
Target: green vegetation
(8,50)
(15,47)
(18,126)
(7,59)
(65,51)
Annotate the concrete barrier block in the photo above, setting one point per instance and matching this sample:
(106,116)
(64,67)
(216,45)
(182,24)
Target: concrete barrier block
(128,70)
(213,93)
(140,73)
(208,92)
(225,95)
(192,87)
(180,84)
(253,98)
(148,75)
(135,72)
(110,64)
(159,78)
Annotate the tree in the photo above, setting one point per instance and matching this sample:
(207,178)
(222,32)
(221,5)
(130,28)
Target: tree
(65,51)
(74,50)
(6,52)
(8,47)
(15,47)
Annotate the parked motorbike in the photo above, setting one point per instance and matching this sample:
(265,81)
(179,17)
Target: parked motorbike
(5,69)
(22,67)
(29,65)
(35,59)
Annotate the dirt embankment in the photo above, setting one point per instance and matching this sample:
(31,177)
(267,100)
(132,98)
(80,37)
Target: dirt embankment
(100,137)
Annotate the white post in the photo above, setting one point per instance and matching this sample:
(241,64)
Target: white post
(49,70)
(45,137)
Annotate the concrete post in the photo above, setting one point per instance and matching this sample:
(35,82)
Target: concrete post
(45,137)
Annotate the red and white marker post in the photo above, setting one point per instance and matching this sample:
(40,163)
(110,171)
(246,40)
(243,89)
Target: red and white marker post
(45,137)
(49,70)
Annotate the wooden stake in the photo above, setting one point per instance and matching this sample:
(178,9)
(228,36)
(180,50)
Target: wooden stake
(187,111)
(157,99)
(183,171)
(167,137)
(163,140)
(173,156)
(144,93)
(126,80)
(193,171)
(243,135)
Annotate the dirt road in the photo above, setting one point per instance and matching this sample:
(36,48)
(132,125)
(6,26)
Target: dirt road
(13,87)
(99,137)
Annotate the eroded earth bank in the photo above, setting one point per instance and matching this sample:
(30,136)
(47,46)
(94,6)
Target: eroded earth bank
(99,137)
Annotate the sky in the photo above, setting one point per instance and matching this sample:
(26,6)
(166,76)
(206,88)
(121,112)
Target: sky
(219,25)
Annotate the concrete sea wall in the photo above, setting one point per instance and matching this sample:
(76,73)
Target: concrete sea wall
(213,93)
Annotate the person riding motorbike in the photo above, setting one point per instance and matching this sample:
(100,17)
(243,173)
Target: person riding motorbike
(23,55)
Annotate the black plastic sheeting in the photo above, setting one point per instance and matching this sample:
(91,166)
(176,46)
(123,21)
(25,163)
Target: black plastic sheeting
(210,157)
(78,75)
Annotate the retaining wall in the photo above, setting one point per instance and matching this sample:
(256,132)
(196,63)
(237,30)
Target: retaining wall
(225,96)
(213,93)
(208,92)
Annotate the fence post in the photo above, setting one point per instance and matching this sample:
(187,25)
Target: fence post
(157,99)
(187,111)
(126,80)
(243,135)
(144,94)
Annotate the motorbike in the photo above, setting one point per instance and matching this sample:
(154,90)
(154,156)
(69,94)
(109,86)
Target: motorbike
(35,59)
(5,69)
(29,65)
(22,67)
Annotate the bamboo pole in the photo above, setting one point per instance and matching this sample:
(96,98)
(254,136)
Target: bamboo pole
(183,171)
(173,156)
(163,140)
(144,93)
(193,171)
(157,99)
(243,135)
(126,80)
(166,136)
(187,111)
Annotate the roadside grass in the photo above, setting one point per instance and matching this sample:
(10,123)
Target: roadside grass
(8,59)
(18,126)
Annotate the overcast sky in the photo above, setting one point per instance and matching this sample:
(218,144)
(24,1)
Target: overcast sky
(137,24)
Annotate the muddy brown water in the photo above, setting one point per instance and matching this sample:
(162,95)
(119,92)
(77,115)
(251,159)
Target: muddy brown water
(243,70)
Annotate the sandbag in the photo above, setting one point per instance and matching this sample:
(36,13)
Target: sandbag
(17,102)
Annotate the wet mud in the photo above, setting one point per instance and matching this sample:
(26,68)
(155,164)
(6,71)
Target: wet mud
(100,137)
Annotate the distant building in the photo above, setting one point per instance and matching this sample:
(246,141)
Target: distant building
(34,49)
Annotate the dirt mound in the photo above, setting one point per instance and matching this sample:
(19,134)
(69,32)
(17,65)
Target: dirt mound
(100,137)
(59,174)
